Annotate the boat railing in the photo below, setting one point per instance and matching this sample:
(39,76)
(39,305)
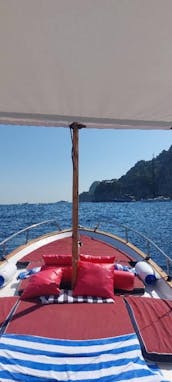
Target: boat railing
(26,231)
(149,246)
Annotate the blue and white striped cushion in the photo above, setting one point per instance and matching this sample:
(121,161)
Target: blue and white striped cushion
(38,359)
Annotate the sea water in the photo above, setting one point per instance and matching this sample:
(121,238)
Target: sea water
(152,219)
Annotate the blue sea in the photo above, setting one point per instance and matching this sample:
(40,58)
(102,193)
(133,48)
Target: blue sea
(152,219)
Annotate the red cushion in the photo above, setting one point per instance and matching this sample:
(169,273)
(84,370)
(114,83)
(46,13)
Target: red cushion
(97,259)
(60,260)
(123,280)
(43,283)
(94,280)
(66,272)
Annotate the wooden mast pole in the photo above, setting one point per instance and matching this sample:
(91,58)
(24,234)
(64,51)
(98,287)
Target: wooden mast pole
(75,197)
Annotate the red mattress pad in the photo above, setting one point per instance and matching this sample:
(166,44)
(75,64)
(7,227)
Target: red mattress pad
(71,321)
(152,320)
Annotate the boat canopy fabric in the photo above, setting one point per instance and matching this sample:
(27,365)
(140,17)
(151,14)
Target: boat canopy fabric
(101,63)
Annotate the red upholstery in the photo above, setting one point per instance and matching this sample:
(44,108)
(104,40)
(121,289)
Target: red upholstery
(123,280)
(43,283)
(89,246)
(97,259)
(71,321)
(59,260)
(6,306)
(152,319)
(94,280)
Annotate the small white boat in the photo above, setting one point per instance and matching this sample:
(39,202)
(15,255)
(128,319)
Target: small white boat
(67,312)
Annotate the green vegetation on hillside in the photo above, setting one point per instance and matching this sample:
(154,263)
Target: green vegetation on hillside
(147,179)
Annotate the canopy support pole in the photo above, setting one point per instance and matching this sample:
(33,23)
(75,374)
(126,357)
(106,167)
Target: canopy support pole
(75,197)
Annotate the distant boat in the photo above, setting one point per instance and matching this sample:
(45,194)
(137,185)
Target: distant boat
(157,199)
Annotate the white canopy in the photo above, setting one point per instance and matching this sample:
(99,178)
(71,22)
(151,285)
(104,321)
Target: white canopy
(103,63)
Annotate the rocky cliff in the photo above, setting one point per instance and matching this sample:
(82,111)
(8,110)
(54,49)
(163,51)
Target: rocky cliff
(147,179)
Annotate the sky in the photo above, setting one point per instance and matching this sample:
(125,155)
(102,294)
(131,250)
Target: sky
(36,164)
